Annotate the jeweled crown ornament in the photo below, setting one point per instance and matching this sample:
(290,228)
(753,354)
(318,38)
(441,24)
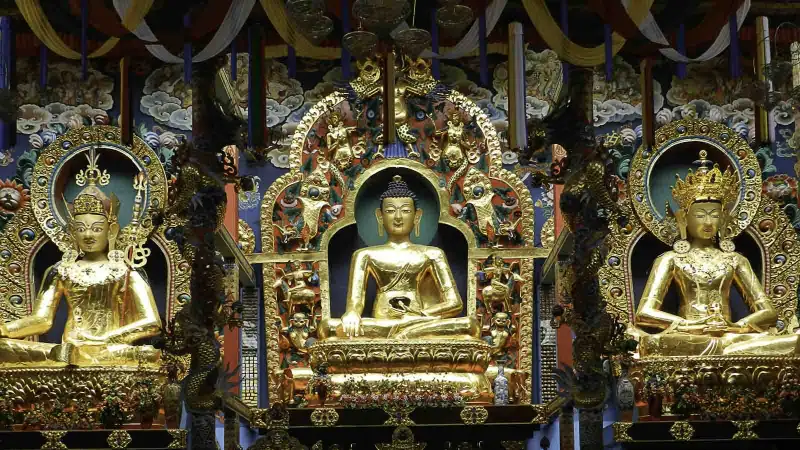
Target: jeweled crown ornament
(91,200)
(707,184)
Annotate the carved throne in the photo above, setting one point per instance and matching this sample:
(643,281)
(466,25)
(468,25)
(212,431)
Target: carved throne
(767,239)
(317,215)
(35,237)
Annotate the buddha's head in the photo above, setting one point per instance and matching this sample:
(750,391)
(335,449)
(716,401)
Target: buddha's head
(93,215)
(399,213)
(704,198)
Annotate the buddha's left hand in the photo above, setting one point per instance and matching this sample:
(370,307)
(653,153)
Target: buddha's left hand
(90,338)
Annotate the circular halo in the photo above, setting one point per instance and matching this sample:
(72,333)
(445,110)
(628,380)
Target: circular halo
(714,136)
(45,177)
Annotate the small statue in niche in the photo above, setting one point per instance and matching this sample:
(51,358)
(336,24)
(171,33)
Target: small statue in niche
(502,281)
(340,153)
(501,386)
(500,332)
(299,332)
(296,291)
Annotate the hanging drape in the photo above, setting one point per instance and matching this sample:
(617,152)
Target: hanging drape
(652,31)
(469,43)
(234,19)
(569,51)
(37,20)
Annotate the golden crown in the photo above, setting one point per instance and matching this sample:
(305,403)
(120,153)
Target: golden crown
(91,200)
(707,184)
(88,204)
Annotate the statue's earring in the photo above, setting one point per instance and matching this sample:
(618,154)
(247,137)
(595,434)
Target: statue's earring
(726,245)
(380,222)
(416,228)
(681,245)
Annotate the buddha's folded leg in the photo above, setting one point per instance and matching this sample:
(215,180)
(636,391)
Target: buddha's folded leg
(757,344)
(370,328)
(27,353)
(453,328)
(679,344)
(114,354)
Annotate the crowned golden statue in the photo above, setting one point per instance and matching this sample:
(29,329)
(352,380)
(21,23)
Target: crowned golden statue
(110,304)
(705,267)
(417,296)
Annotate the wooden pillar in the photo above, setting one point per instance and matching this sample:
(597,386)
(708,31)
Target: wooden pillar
(256,97)
(648,110)
(516,86)
(232,344)
(765,127)
(389,131)
(125,116)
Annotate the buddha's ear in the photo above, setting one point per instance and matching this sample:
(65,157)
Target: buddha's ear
(379,217)
(113,232)
(417,219)
(680,218)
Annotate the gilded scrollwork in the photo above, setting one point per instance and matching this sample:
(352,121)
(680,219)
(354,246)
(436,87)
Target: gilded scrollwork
(178,438)
(682,431)
(474,415)
(621,432)
(53,440)
(324,417)
(745,430)
(119,439)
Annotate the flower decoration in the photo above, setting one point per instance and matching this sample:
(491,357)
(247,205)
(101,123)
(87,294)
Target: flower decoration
(279,157)
(6,158)
(400,393)
(781,187)
(13,196)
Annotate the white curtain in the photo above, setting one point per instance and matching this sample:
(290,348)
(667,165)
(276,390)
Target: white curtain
(652,31)
(233,22)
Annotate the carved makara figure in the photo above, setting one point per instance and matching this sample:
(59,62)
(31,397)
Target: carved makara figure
(314,194)
(416,294)
(110,305)
(705,266)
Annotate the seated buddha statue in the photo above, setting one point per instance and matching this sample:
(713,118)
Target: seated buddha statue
(705,267)
(416,294)
(109,305)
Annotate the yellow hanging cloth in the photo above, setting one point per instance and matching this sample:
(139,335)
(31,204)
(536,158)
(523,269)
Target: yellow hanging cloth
(276,11)
(32,12)
(569,51)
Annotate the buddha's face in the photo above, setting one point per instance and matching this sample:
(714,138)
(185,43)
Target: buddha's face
(703,220)
(91,232)
(398,215)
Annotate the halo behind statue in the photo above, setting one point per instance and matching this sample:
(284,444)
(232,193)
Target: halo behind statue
(652,173)
(49,183)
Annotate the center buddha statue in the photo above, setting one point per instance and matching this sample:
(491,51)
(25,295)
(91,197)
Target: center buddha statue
(705,267)
(416,294)
(110,306)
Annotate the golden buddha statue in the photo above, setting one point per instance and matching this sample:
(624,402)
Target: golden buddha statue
(110,305)
(416,294)
(704,266)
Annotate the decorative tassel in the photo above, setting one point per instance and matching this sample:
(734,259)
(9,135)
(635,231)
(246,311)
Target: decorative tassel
(187,50)
(434,44)
(681,72)
(84,42)
(42,66)
(735,67)
(291,60)
(482,49)
(609,54)
(345,29)
(233,60)
(565,30)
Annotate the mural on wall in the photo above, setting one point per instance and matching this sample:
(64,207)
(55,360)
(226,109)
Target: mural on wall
(64,100)
(167,98)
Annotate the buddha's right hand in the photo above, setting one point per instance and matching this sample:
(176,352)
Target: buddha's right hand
(351,324)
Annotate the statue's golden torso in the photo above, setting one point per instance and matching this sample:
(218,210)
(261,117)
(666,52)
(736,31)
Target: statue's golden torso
(704,277)
(399,275)
(95,298)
